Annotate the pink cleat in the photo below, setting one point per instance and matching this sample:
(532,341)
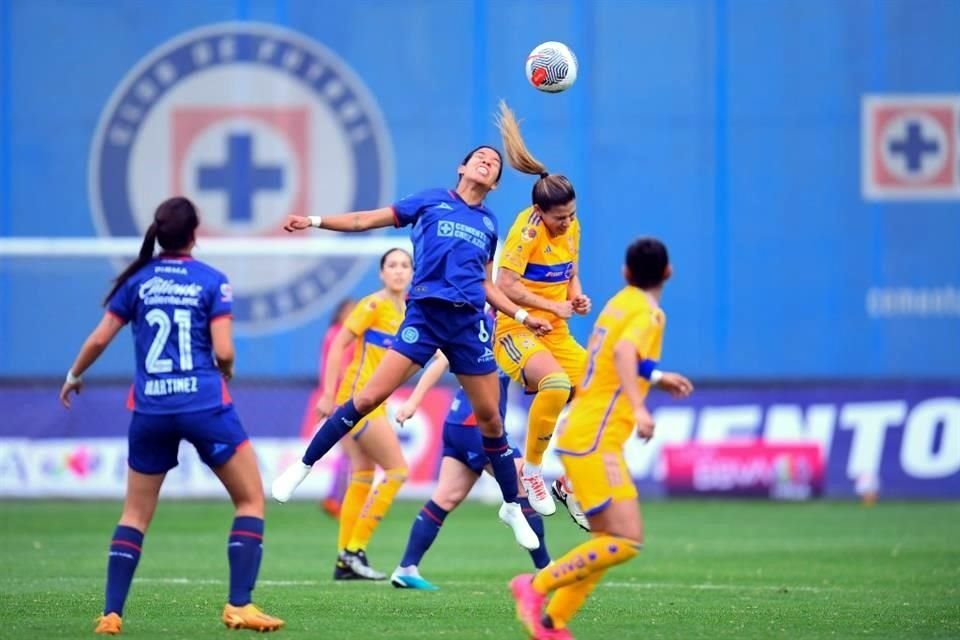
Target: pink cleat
(529,604)
(553,634)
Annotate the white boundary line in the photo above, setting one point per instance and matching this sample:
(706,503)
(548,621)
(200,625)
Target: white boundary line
(615,584)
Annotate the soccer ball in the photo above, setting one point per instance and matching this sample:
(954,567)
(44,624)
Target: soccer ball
(563,491)
(552,67)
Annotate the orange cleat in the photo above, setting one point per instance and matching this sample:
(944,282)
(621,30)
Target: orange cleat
(109,624)
(331,507)
(250,617)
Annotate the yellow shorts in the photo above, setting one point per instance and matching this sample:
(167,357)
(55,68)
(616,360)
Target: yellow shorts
(598,479)
(515,346)
(379,412)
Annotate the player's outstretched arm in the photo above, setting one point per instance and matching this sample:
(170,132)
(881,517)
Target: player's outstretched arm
(95,344)
(428,380)
(354,221)
(502,303)
(509,282)
(626,360)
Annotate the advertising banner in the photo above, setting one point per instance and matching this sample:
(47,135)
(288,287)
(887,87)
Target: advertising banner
(903,440)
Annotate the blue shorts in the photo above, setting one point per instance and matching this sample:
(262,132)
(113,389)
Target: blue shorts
(462,333)
(464,443)
(154,439)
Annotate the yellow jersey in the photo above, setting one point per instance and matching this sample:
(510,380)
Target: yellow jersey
(546,265)
(375,321)
(601,417)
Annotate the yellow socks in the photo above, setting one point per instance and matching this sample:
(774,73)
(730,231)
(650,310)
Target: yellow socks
(353,500)
(598,554)
(552,394)
(567,600)
(376,507)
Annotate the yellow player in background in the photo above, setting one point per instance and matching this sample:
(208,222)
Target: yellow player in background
(539,271)
(372,325)
(623,353)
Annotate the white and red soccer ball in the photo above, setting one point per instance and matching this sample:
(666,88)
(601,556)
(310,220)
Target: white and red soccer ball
(552,67)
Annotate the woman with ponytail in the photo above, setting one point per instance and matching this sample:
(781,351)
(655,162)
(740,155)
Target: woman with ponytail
(179,310)
(539,271)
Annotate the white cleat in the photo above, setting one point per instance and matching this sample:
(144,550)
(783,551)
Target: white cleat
(287,482)
(538,495)
(511,513)
(567,499)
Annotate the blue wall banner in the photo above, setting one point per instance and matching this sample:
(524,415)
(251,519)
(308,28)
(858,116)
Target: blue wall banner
(800,160)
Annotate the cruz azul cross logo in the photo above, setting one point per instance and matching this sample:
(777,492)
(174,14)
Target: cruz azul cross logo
(910,147)
(252,122)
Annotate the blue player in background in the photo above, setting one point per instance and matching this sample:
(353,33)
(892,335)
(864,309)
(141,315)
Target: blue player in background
(460,467)
(454,238)
(179,310)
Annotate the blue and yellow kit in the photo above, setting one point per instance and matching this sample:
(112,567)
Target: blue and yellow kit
(546,265)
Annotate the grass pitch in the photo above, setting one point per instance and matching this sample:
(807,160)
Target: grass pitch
(710,570)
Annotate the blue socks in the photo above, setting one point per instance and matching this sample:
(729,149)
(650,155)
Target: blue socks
(244,550)
(540,556)
(337,425)
(504,470)
(424,531)
(122,562)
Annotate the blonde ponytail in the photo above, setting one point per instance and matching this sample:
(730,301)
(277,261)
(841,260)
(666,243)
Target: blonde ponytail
(518,155)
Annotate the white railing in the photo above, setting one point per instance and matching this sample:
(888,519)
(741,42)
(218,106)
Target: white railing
(91,247)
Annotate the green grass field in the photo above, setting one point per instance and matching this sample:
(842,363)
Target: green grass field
(710,570)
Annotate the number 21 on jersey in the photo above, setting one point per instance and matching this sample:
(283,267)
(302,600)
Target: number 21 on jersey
(159,319)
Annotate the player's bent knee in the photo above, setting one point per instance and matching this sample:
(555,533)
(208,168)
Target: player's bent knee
(449,499)
(490,425)
(557,383)
(397,475)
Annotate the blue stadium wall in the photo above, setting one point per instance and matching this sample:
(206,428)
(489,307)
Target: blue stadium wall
(730,129)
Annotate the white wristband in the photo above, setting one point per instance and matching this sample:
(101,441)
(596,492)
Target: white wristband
(655,376)
(521,315)
(315,221)
(72,379)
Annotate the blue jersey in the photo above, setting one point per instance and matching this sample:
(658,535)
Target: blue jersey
(453,243)
(170,304)
(462,413)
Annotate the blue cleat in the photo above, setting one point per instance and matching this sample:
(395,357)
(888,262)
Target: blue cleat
(415,581)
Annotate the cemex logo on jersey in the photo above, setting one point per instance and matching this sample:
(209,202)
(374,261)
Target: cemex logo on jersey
(910,147)
(252,122)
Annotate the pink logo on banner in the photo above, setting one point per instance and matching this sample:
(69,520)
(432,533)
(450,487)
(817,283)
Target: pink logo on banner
(786,472)
(910,147)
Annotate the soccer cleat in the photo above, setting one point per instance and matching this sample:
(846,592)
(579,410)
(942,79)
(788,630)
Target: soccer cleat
(538,495)
(546,633)
(109,624)
(511,513)
(570,502)
(250,617)
(411,580)
(287,482)
(331,506)
(357,562)
(342,572)
(529,604)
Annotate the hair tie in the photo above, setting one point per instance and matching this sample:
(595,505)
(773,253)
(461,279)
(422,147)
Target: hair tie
(543,174)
